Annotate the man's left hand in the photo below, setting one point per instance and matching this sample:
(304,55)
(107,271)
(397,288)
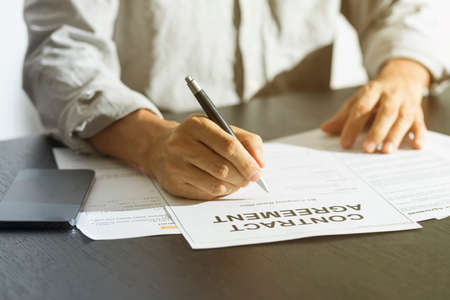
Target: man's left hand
(394,99)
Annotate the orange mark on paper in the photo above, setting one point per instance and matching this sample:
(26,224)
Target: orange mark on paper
(169,227)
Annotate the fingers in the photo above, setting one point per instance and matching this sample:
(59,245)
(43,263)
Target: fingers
(186,180)
(396,109)
(384,120)
(252,143)
(360,112)
(227,146)
(201,161)
(209,185)
(207,160)
(188,191)
(335,124)
(419,130)
(398,130)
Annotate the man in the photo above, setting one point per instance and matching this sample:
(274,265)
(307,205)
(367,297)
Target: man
(238,49)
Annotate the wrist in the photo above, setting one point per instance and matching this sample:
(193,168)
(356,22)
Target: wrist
(134,138)
(406,70)
(157,132)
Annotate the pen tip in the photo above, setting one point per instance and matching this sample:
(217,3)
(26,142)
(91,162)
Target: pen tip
(263,185)
(188,78)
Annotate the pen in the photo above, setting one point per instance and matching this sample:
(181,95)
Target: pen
(211,111)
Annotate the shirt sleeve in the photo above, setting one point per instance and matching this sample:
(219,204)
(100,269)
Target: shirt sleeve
(71,70)
(412,29)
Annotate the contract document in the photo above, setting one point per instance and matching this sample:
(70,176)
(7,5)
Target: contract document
(416,181)
(122,203)
(311,194)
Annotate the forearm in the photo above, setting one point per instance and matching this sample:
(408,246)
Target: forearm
(133,138)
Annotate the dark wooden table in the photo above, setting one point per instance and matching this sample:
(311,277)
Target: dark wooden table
(66,265)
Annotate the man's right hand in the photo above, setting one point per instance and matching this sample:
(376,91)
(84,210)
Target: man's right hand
(195,159)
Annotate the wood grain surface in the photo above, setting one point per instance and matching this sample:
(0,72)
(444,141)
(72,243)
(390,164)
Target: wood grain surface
(65,265)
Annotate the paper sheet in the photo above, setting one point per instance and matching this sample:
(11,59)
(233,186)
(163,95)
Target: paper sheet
(122,202)
(416,181)
(311,194)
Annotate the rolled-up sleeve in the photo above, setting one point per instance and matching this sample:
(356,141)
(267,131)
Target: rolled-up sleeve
(71,70)
(412,29)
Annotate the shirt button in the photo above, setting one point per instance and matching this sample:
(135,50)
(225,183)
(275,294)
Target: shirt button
(87,95)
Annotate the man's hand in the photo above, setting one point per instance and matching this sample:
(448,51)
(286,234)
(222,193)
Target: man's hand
(394,100)
(195,159)
(198,159)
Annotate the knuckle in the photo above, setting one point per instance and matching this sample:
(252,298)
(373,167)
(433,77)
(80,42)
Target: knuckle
(388,109)
(223,171)
(192,116)
(194,120)
(218,189)
(231,147)
(362,108)
(406,115)
(395,93)
(372,86)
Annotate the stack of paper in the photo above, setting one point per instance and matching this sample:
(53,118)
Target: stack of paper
(417,182)
(122,203)
(316,189)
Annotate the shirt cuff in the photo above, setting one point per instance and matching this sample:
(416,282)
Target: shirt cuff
(387,45)
(96,109)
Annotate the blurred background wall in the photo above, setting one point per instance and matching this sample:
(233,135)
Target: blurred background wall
(17,115)
(19,118)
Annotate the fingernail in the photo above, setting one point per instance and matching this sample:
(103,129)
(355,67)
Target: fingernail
(325,126)
(255,176)
(418,144)
(389,147)
(370,146)
(346,144)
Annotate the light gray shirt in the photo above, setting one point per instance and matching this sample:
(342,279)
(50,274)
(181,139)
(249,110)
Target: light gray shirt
(90,63)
